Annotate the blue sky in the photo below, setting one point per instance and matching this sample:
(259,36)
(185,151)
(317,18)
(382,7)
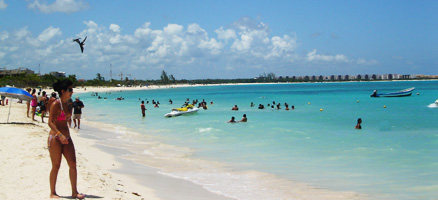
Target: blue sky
(220,39)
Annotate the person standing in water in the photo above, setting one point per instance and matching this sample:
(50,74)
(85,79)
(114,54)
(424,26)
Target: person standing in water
(143,108)
(244,119)
(59,142)
(358,126)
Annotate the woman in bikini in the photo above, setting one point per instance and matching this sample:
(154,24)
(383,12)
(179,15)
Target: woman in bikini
(34,104)
(59,141)
(28,102)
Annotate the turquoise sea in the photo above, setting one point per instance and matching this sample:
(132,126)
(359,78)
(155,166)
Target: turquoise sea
(305,153)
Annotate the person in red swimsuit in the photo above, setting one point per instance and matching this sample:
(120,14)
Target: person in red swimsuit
(59,141)
(143,108)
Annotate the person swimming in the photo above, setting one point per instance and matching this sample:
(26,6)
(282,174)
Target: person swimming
(244,119)
(235,108)
(233,120)
(358,126)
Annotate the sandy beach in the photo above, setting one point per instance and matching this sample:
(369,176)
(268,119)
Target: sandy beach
(26,164)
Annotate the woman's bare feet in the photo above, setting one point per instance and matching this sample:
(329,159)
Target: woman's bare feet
(79,196)
(54,196)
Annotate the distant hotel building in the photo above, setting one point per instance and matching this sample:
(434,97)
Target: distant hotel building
(359,77)
(16,72)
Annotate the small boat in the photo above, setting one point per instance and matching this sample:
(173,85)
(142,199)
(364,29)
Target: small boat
(186,109)
(401,93)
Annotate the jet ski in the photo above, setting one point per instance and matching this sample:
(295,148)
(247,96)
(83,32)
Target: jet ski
(186,109)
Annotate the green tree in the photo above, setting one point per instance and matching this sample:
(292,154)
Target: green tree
(172,79)
(99,77)
(164,78)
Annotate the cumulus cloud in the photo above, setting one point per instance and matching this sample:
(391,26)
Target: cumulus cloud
(49,33)
(63,6)
(185,51)
(3,5)
(115,28)
(228,34)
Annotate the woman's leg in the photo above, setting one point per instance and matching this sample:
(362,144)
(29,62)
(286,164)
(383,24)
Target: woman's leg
(42,116)
(55,151)
(28,107)
(70,156)
(33,113)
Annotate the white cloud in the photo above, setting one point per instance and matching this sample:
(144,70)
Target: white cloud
(173,29)
(228,34)
(115,28)
(143,31)
(49,33)
(211,45)
(3,5)
(314,57)
(64,6)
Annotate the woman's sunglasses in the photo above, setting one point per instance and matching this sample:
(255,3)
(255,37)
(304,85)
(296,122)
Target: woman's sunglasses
(70,89)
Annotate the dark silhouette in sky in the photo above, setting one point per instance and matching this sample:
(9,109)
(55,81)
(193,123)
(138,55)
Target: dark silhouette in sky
(81,44)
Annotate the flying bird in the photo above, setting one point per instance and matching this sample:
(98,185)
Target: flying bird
(81,44)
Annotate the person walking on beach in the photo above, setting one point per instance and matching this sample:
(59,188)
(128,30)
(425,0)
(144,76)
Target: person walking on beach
(59,141)
(34,104)
(51,100)
(28,102)
(43,105)
(143,108)
(77,111)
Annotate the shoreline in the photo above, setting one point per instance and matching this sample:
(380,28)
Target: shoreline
(85,89)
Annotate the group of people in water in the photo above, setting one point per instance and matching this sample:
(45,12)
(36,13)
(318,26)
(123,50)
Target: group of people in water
(273,106)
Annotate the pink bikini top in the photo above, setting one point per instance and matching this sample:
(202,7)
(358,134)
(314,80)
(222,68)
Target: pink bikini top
(62,116)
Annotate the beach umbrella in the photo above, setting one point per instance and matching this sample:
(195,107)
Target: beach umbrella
(15,93)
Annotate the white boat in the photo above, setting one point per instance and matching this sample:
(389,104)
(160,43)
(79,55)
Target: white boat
(401,93)
(181,111)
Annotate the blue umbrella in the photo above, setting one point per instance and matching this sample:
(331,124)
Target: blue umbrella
(15,93)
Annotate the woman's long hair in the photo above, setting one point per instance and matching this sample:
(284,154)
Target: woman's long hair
(62,85)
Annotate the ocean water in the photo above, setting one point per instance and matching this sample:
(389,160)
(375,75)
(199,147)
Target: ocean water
(311,152)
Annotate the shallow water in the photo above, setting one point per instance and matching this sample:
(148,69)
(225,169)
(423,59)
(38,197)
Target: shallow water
(394,156)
